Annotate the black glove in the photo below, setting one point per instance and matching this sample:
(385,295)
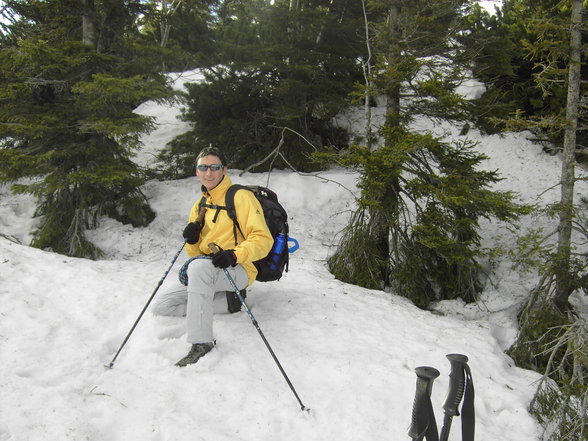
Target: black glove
(192,232)
(224,259)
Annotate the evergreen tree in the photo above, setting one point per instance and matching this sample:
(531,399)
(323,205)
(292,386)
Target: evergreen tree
(432,215)
(282,73)
(182,29)
(551,104)
(422,198)
(521,55)
(419,62)
(542,91)
(70,78)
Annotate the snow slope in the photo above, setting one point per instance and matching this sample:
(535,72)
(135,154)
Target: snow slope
(350,352)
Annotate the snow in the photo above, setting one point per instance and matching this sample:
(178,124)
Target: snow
(349,352)
(471,89)
(490,5)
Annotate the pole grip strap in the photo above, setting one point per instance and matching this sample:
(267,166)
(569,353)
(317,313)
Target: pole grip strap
(468,414)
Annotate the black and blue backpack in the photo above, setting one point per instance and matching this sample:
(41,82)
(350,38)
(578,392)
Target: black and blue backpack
(272,266)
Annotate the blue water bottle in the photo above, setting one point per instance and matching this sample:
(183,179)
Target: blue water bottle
(277,250)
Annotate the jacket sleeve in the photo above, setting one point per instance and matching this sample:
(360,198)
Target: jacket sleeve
(258,240)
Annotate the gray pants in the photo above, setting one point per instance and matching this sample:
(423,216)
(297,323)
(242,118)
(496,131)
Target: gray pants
(196,301)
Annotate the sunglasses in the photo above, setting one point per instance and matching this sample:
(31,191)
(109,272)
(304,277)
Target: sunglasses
(213,167)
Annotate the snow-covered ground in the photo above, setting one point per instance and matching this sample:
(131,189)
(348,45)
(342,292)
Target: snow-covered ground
(350,352)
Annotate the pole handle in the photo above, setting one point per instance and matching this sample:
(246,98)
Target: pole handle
(214,247)
(456,384)
(428,374)
(422,409)
(200,217)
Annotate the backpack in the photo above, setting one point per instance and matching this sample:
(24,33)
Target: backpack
(272,266)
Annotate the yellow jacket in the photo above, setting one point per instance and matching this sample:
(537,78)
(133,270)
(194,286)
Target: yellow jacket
(218,228)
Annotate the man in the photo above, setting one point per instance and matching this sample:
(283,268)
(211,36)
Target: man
(239,248)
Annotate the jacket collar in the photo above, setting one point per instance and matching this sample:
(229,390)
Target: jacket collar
(217,192)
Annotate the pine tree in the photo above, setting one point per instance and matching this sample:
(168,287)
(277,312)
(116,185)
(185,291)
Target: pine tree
(418,62)
(521,57)
(432,215)
(543,93)
(550,104)
(422,198)
(67,124)
(182,30)
(564,287)
(282,73)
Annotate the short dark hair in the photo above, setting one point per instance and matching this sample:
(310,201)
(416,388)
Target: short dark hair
(210,150)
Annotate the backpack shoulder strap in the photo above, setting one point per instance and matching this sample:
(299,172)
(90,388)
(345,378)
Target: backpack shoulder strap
(230,205)
(230,200)
(202,205)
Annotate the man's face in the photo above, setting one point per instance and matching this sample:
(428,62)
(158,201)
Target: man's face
(210,178)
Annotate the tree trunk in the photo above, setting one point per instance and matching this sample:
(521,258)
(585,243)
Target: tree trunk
(379,217)
(367,74)
(167,10)
(393,92)
(89,22)
(563,287)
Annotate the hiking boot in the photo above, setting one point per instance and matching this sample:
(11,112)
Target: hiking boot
(197,351)
(233,302)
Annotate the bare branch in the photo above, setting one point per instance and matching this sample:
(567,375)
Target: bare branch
(276,152)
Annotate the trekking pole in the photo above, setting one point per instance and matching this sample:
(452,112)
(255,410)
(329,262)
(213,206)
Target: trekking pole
(199,219)
(423,418)
(146,306)
(457,385)
(215,249)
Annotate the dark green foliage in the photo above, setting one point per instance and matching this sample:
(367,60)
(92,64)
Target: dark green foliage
(357,259)
(522,57)
(554,341)
(541,325)
(417,223)
(540,316)
(228,112)
(561,411)
(417,63)
(498,62)
(427,196)
(286,74)
(182,29)
(528,89)
(67,121)
(556,345)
